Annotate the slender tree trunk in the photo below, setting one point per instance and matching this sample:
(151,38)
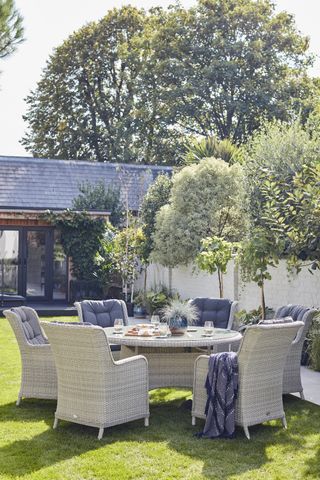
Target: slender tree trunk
(145,281)
(220,278)
(263,302)
(170,280)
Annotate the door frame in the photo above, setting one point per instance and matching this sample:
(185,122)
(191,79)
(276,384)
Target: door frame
(22,262)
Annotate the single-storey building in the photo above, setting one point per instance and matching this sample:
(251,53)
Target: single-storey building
(32,262)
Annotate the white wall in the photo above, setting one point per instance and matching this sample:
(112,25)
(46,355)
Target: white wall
(303,288)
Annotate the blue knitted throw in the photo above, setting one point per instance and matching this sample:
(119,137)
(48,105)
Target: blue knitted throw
(222,387)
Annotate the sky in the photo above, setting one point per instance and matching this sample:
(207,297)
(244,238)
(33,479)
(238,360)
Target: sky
(48,23)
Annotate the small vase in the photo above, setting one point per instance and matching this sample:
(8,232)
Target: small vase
(178,325)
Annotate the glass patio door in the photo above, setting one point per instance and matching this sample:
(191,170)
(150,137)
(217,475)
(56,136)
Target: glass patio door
(9,262)
(36,263)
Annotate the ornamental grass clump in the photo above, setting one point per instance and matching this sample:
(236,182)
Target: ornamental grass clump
(177,309)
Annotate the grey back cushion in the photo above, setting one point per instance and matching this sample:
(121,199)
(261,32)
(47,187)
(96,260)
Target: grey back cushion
(215,309)
(102,312)
(30,325)
(296,312)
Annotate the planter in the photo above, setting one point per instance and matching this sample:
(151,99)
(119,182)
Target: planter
(129,309)
(139,311)
(178,325)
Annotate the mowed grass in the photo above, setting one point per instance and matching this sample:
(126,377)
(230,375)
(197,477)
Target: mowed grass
(168,449)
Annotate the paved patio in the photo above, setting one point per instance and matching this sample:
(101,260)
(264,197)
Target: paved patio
(311,385)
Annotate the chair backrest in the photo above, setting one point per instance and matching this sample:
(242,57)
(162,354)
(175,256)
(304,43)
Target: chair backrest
(263,352)
(26,326)
(102,312)
(82,355)
(215,309)
(298,313)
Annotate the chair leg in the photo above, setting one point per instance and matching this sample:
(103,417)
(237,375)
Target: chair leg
(100,434)
(302,395)
(146,421)
(193,421)
(284,422)
(55,423)
(18,401)
(246,432)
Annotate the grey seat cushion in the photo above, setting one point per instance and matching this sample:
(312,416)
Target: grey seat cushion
(30,325)
(296,312)
(102,312)
(216,310)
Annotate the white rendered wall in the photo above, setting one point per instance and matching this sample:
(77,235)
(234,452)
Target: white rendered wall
(303,288)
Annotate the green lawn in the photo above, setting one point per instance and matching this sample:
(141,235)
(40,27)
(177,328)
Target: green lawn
(30,449)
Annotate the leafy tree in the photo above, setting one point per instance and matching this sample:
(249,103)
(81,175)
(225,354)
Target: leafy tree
(156,197)
(257,254)
(11,29)
(208,147)
(126,255)
(291,213)
(224,65)
(206,199)
(101,198)
(214,256)
(276,152)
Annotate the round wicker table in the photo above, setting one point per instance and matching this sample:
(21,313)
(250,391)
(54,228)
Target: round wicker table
(171,359)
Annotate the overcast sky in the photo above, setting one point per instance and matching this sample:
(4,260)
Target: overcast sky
(47,23)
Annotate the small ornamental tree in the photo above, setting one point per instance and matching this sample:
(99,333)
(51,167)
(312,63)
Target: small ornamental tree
(214,256)
(257,254)
(126,255)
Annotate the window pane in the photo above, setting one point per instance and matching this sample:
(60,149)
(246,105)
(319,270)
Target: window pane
(59,269)
(9,259)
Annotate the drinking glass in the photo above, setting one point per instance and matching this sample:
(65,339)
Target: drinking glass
(163,329)
(155,320)
(208,328)
(118,325)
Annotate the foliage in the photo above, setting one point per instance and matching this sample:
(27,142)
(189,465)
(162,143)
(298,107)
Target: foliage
(81,237)
(157,299)
(315,344)
(126,256)
(156,197)
(253,317)
(100,197)
(31,449)
(291,211)
(97,98)
(208,147)
(11,29)
(257,254)
(178,309)
(277,151)
(132,86)
(214,256)
(106,259)
(215,73)
(206,199)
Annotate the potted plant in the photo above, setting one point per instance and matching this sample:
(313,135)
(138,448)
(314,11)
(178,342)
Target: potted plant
(179,315)
(139,305)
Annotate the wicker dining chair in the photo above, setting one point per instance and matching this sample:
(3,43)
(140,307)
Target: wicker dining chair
(220,311)
(93,389)
(261,360)
(38,371)
(292,370)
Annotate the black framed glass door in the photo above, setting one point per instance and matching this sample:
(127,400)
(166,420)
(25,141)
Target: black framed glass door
(32,263)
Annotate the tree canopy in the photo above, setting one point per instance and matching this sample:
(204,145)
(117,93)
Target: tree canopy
(131,86)
(11,29)
(206,199)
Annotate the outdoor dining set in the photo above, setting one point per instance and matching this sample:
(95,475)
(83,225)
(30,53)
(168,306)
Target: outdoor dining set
(101,368)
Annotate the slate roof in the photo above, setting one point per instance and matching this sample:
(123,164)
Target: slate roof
(40,184)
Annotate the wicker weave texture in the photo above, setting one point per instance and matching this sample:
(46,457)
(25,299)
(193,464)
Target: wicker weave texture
(93,389)
(38,370)
(292,370)
(261,360)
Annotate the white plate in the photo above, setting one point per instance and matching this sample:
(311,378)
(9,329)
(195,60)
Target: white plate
(192,329)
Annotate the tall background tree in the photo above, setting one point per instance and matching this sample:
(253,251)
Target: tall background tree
(132,86)
(11,29)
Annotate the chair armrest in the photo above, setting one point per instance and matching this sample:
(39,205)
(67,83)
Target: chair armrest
(79,311)
(233,310)
(135,360)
